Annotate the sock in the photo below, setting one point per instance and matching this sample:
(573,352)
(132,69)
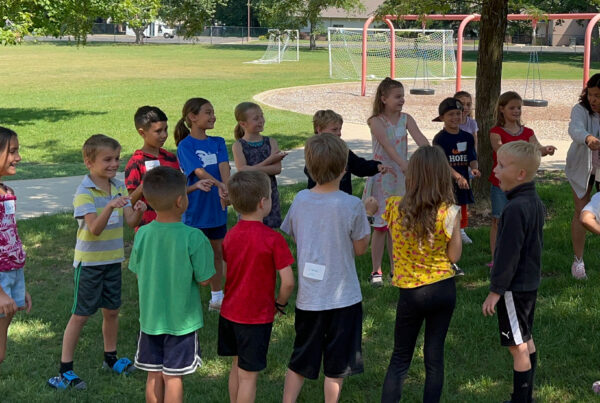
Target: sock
(533,359)
(520,386)
(65,367)
(110,357)
(216,296)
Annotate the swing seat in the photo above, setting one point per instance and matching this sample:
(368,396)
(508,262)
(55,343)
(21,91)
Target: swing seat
(538,103)
(422,91)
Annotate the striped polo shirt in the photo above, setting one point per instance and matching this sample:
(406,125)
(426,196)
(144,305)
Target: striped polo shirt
(106,248)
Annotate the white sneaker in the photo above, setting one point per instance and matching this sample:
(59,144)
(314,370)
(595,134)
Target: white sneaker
(465,238)
(215,306)
(578,269)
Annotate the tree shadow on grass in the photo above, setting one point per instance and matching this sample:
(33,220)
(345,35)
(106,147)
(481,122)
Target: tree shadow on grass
(28,116)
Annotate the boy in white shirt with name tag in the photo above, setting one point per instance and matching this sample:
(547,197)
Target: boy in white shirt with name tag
(330,228)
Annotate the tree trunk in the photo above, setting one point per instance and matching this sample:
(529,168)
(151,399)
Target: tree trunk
(139,35)
(313,39)
(487,84)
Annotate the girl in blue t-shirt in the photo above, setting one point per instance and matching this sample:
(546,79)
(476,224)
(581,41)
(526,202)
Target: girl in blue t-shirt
(205,157)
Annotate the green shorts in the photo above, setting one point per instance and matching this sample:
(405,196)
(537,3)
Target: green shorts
(97,287)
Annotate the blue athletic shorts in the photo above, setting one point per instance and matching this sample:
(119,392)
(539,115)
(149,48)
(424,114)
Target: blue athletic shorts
(171,355)
(13,284)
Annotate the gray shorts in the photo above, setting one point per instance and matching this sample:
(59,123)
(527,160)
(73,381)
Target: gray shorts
(97,287)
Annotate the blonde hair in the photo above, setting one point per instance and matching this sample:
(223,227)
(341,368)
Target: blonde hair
(94,143)
(503,100)
(246,189)
(241,115)
(383,90)
(526,155)
(326,157)
(464,94)
(324,117)
(428,187)
(183,126)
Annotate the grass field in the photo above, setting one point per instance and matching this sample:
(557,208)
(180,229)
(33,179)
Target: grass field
(477,368)
(55,96)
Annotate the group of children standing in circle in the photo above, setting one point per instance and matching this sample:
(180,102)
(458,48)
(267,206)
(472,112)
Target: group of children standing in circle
(411,205)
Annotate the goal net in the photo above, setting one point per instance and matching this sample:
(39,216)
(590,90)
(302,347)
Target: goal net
(420,54)
(283,47)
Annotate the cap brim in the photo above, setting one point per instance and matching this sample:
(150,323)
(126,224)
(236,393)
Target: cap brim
(438,119)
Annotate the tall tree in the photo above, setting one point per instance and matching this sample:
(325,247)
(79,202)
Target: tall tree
(191,15)
(137,14)
(15,20)
(296,14)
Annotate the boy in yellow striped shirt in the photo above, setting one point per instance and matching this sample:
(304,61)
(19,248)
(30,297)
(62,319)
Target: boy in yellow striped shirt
(99,207)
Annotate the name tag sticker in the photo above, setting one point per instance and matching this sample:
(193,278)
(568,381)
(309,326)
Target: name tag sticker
(209,159)
(9,207)
(314,271)
(462,146)
(114,218)
(151,164)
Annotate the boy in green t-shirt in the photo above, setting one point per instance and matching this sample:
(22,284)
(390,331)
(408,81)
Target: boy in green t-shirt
(169,259)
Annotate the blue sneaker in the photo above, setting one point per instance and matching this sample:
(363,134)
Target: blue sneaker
(67,380)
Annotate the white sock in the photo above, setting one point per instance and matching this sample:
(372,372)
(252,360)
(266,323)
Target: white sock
(216,296)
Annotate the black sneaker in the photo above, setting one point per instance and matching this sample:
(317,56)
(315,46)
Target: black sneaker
(457,270)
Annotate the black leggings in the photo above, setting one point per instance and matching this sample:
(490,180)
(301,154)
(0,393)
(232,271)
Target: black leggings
(433,303)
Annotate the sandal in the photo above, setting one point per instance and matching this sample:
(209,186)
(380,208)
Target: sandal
(122,366)
(67,380)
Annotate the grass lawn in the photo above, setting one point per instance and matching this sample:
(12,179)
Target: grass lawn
(55,95)
(477,369)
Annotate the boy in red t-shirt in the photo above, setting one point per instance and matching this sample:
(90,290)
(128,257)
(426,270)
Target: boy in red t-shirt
(151,124)
(254,253)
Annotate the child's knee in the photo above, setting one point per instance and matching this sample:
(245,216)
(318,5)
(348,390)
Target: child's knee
(79,320)
(519,350)
(110,314)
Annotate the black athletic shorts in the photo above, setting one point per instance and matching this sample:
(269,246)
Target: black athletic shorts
(97,287)
(250,342)
(515,317)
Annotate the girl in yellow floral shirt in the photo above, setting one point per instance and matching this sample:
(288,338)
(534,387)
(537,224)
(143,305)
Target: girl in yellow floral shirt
(425,230)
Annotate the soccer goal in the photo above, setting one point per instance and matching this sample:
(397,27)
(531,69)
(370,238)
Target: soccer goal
(283,47)
(420,54)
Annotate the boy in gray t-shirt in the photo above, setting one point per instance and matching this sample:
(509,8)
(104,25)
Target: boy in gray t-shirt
(329,227)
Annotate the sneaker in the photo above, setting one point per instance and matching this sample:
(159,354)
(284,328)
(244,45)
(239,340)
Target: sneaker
(596,387)
(215,306)
(457,270)
(376,280)
(465,238)
(67,380)
(578,269)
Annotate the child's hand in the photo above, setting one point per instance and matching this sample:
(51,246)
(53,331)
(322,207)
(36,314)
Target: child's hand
(489,304)
(383,169)
(548,150)
(140,206)
(371,206)
(223,190)
(278,156)
(476,173)
(224,203)
(463,183)
(8,306)
(118,202)
(592,142)
(204,185)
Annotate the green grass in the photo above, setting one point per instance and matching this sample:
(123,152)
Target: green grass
(477,369)
(55,95)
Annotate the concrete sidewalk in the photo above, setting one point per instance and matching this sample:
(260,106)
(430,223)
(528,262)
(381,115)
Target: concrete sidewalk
(53,195)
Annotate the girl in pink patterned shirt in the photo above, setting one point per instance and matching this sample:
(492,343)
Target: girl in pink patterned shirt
(13,296)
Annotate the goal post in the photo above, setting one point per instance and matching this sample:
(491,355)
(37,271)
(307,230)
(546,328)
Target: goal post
(413,48)
(283,46)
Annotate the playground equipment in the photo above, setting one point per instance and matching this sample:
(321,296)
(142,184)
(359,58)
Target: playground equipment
(536,81)
(283,47)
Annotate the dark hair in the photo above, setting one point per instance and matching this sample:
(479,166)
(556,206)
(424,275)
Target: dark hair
(593,82)
(183,126)
(6,135)
(162,186)
(460,94)
(95,142)
(146,115)
(246,189)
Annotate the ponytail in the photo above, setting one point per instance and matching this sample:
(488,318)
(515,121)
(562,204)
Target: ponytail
(240,116)
(182,129)
(238,132)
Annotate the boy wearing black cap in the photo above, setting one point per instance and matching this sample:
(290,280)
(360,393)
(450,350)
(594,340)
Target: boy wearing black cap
(459,147)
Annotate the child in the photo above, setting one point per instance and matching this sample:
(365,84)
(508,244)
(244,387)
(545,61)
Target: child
(13,296)
(170,259)
(205,157)
(254,253)
(151,124)
(253,152)
(99,207)
(516,273)
(327,121)
(508,128)
(330,228)
(425,228)
(459,147)
(388,126)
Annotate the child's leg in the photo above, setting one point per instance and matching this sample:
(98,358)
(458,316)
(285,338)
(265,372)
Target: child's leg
(533,360)
(110,329)
(173,388)
(520,354)
(216,282)
(71,337)
(155,388)
(246,392)
(233,383)
(521,373)
(292,386)
(378,240)
(332,388)
(4,323)
(577,229)
(390,251)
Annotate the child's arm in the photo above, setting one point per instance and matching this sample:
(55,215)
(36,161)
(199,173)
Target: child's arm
(135,195)
(96,223)
(454,247)
(415,132)
(378,131)
(362,167)
(133,215)
(202,184)
(475,168)
(588,219)
(545,150)
(225,171)
(495,141)
(270,165)
(475,134)
(286,286)
(361,246)
(460,180)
